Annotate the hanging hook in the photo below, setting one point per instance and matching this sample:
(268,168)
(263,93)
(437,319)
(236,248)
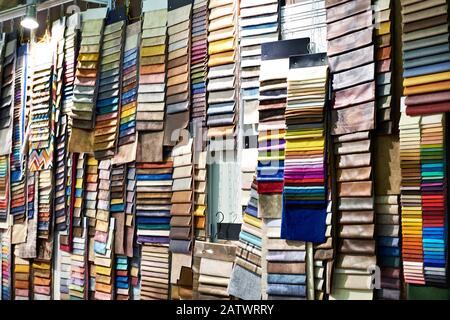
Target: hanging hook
(235,217)
(218,213)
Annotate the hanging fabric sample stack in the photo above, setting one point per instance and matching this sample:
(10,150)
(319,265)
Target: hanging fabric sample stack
(79,275)
(199,60)
(182,199)
(278,260)
(249,162)
(388,246)
(45,199)
(18,166)
(411,200)
(200,195)
(426,56)
(64,274)
(271,128)
(65,236)
(41,272)
(127,140)
(6,279)
(153,201)
(77,196)
(91,190)
(212,269)
(178,98)
(86,81)
(272,124)
(245,282)
(71,39)
(384,55)
(7,94)
(42,116)
(104,235)
(61,209)
(108,103)
(387,212)
(103,213)
(305,213)
(22,279)
(387,172)
(305,19)
(154,270)
(221,86)
(322,256)
(423,202)
(258,24)
(41,146)
(433,188)
(104,265)
(152,84)
(181,222)
(63,31)
(58,29)
(304,195)
(4,190)
(121,278)
(7,132)
(351,59)
(284,268)
(117,208)
(130,208)
(135,272)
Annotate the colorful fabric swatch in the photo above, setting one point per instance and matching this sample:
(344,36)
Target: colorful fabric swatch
(304,194)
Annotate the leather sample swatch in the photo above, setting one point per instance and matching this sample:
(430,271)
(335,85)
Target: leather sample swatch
(352,56)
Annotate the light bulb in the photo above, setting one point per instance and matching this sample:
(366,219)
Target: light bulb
(29,21)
